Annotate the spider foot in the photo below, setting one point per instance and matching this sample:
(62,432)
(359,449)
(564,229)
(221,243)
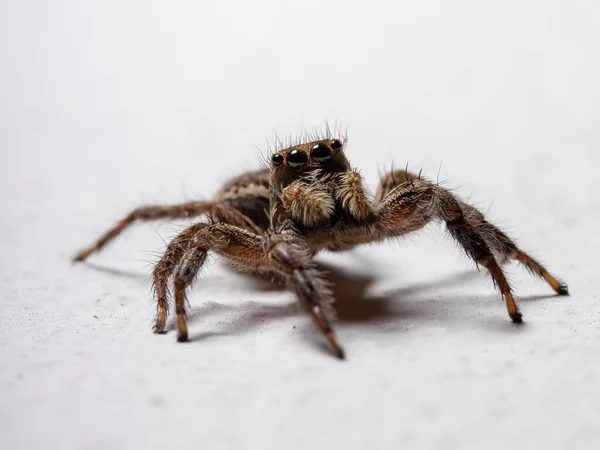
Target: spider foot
(562,289)
(159,328)
(83,254)
(516,317)
(337,348)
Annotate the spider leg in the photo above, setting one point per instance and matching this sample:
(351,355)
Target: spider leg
(146,213)
(187,252)
(289,258)
(505,248)
(171,259)
(185,274)
(185,256)
(219,212)
(391,180)
(412,204)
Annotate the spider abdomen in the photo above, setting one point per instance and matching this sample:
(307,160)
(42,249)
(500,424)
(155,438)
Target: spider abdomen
(249,195)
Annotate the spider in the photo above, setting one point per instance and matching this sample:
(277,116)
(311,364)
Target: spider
(274,220)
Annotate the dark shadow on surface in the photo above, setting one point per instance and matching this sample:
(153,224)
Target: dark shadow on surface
(354,303)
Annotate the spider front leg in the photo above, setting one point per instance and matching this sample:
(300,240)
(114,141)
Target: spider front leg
(412,204)
(184,257)
(170,261)
(187,252)
(503,247)
(506,249)
(288,255)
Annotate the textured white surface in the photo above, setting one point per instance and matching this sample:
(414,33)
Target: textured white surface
(106,105)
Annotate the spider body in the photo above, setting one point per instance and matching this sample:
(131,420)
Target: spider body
(309,199)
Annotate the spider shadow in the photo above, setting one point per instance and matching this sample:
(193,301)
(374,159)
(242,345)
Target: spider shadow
(123,273)
(354,301)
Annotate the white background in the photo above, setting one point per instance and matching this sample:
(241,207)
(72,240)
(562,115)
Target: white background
(106,105)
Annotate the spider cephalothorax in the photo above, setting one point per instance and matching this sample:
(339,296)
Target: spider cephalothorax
(309,199)
(312,184)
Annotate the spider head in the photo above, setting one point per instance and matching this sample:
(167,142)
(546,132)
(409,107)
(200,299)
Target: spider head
(326,155)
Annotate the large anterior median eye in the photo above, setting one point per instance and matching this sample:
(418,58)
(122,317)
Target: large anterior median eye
(297,159)
(320,153)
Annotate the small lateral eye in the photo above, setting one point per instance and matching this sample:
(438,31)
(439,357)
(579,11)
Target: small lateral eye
(320,152)
(277,159)
(336,145)
(297,159)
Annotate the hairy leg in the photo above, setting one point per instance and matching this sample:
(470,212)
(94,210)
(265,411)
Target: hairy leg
(185,255)
(146,213)
(218,211)
(503,247)
(191,262)
(506,249)
(412,204)
(283,254)
(392,180)
(289,257)
(170,261)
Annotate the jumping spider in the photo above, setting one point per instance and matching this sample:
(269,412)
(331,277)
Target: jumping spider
(274,220)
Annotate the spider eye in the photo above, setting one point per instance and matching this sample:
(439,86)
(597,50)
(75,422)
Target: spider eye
(336,145)
(297,159)
(320,153)
(277,159)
